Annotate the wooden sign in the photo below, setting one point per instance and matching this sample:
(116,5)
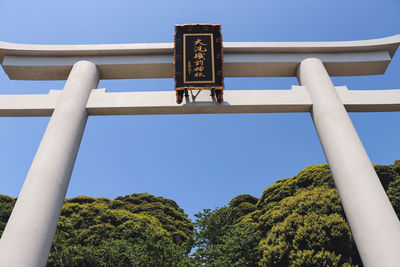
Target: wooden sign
(198,59)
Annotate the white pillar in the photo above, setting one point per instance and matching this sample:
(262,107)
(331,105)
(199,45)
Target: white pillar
(29,233)
(373,222)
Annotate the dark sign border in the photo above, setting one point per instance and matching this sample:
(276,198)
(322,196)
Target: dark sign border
(218,57)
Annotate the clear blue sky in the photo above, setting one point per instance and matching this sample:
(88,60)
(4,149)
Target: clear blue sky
(200,161)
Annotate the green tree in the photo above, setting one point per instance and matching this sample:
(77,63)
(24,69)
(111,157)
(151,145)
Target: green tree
(135,230)
(221,238)
(6,206)
(297,221)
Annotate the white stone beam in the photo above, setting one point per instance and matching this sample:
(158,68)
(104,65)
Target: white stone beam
(163,102)
(28,105)
(381,44)
(242,59)
(162,66)
(369,100)
(236,101)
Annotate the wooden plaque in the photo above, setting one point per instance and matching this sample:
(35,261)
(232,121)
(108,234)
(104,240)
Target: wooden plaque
(198,57)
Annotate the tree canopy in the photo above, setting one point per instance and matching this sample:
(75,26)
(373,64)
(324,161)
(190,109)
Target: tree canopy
(134,230)
(297,221)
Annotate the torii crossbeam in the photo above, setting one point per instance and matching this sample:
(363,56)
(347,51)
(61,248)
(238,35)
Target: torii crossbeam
(29,233)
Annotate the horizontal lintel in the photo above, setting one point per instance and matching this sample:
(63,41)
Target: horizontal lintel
(162,65)
(38,105)
(389,43)
(200,102)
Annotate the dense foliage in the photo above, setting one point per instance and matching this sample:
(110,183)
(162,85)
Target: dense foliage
(297,221)
(6,206)
(135,230)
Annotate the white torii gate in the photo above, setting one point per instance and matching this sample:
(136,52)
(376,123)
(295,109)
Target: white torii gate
(29,233)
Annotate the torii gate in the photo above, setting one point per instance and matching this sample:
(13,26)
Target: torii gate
(28,236)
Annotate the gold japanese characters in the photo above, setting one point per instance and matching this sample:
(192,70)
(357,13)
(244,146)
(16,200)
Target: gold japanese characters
(198,59)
